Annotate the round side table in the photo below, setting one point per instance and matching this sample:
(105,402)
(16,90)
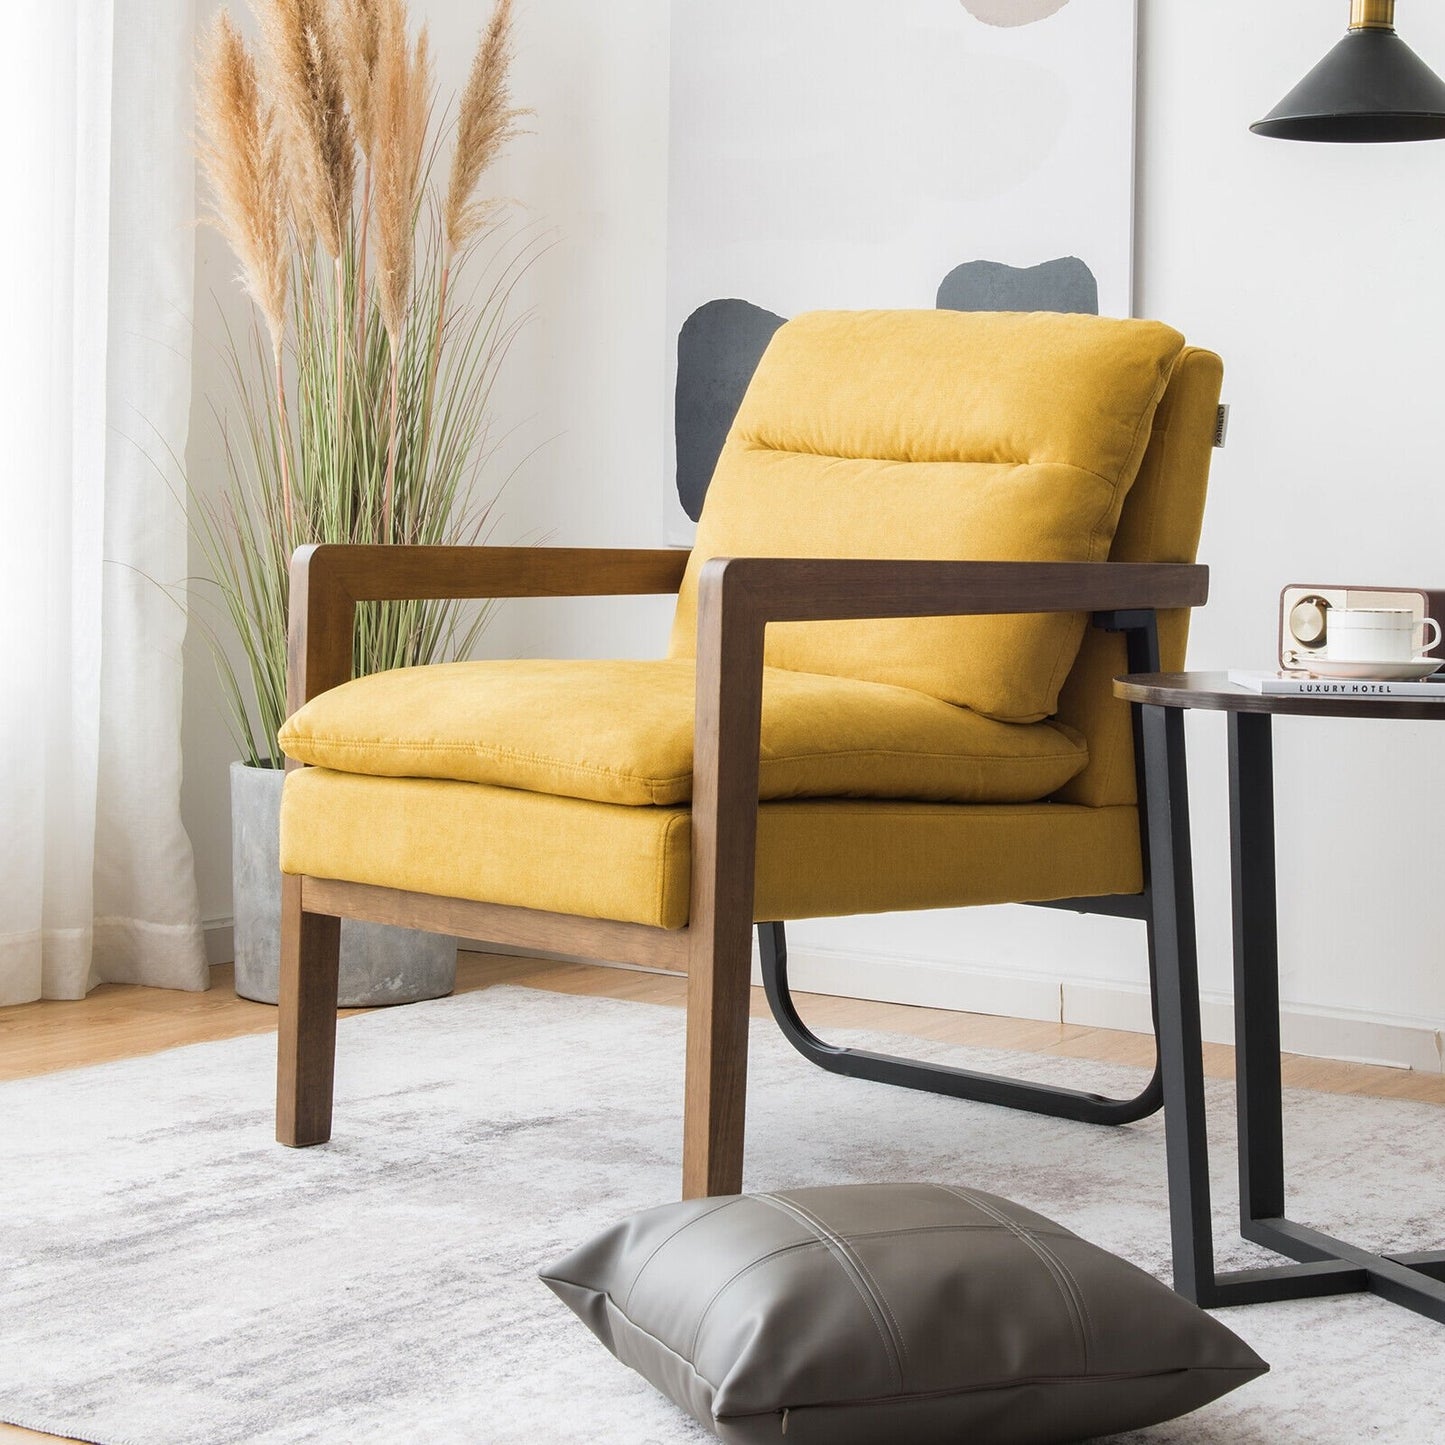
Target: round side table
(1324,1265)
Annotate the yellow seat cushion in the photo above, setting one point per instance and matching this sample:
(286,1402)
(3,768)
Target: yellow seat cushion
(936,434)
(622,732)
(822,858)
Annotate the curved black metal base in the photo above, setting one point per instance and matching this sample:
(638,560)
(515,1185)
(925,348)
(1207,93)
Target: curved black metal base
(1049,1099)
(1141,640)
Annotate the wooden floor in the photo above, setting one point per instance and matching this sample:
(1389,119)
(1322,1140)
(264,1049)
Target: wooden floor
(120,1021)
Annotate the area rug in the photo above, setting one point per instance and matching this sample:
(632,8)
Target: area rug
(170,1276)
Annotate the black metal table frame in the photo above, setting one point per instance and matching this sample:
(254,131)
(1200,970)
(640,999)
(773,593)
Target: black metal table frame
(1324,1265)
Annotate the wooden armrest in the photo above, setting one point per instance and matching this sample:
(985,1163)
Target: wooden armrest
(788,589)
(328,580)
(739,596)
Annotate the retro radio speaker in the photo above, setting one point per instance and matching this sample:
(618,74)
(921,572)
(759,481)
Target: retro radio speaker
(1304,614)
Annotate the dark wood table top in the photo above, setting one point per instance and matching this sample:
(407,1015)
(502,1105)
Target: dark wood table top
(1213,692)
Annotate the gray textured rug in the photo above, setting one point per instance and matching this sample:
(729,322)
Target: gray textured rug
(169,1276)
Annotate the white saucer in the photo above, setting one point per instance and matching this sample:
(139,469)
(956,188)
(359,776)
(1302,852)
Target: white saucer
(1413,671)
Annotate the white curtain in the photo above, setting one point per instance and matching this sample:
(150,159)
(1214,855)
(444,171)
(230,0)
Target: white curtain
(96,253)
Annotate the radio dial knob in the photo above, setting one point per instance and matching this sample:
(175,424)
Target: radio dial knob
(1307,621)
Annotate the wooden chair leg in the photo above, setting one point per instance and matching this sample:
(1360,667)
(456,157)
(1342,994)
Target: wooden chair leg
(306,1034)
(718,996)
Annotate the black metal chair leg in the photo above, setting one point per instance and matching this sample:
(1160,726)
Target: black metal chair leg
(957,1083)
(1142,652)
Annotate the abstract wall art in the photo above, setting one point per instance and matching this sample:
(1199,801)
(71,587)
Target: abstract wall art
(1012,12)
(841,153)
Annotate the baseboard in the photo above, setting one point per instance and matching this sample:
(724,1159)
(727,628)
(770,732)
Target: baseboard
(220,936)
(1349,1036)
(1014,994)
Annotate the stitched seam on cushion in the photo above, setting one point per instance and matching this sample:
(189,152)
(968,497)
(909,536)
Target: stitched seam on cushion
(912,1230)
(912,1233)
(666,1348)
(1079,1297)
(1117,482)
(1059,674)
(981,1387)
(942,757)
(867,1290)
(659,871)
(888,807)
(846,1244)
(500,754)
(659,880)
(1146,414)
(1080,1302)
(752,444)
(651,780)
(735,1277)
(984,1387)
(1064,1283)
(1063,1279)
(660,790)
(663,1243)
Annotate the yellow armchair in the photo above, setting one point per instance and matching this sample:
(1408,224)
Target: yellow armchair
(882,693)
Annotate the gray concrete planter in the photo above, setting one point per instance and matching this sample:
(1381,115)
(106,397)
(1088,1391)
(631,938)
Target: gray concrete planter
(379,964)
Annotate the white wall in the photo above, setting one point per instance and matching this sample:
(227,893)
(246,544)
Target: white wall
(1313,270)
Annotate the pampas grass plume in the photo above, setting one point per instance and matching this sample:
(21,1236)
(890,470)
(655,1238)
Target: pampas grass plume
(401,102)
(486,121)
(240,151)
(320,146)
(356,42)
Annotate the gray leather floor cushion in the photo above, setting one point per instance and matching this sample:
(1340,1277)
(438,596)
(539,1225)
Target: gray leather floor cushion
(898,1313)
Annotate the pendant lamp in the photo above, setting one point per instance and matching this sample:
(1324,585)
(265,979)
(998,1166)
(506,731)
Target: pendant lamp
(1370,87)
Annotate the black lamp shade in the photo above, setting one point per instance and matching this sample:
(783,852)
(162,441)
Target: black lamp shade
(1370,87)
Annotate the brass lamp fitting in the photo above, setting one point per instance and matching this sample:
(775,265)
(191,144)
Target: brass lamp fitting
(1372,14)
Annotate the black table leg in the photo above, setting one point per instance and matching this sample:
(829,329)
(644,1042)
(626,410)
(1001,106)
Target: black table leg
(1325,1265)
(1256,968)
(1171,878)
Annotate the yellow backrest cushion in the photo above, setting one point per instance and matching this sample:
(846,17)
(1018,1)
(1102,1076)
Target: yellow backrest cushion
(936,434)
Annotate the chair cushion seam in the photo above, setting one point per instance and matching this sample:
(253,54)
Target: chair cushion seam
(1063,1280)
(837,1246)
(1065,757)
(514,755)
(668,1239)
(495,754)
(683,818)
(1010,463)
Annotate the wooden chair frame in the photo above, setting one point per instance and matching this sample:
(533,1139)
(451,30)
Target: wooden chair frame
(737,599)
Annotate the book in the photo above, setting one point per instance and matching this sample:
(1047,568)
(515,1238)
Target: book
(1285,684)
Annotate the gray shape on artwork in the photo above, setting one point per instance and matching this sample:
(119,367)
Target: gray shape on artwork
(1064,284)
(1013,12)
(718,349)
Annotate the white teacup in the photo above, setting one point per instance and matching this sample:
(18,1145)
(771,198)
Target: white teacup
(1377,634)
